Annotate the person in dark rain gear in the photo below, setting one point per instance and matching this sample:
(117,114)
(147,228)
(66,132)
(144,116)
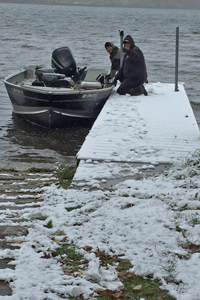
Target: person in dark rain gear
(114,52)
(133,72)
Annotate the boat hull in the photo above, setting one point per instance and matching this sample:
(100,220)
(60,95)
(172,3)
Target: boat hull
(54,107)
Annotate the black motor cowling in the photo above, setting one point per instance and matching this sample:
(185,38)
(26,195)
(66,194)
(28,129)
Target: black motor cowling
(63,61)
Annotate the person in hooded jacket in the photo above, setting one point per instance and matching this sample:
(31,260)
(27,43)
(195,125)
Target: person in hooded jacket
(114,52)
(133,72)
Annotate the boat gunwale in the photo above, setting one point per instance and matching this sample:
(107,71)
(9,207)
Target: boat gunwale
(52,90)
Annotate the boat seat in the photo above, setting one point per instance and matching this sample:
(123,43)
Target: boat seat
(63,83)
(40,71)
(50,79)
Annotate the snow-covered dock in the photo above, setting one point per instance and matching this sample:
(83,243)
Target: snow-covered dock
(149,131)
(157,128)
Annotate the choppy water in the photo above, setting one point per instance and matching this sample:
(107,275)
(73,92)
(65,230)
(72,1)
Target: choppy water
(30,33)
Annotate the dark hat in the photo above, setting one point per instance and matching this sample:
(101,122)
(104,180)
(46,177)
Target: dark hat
(126,41)
(108,44)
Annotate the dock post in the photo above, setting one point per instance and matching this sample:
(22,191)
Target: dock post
(176,59)
(121,34)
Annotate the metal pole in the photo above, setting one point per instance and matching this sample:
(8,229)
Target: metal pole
(176,59)
(121,33)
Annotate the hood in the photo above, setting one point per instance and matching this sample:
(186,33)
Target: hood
(108,44)
(130,40)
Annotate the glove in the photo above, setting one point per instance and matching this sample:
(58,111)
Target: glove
(107,77)
(125,50)
(114,82)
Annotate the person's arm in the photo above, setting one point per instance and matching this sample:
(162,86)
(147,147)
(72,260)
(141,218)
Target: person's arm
(114,67)
(134,53)
(119,76)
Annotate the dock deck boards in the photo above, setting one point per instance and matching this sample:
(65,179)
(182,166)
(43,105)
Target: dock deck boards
(158,128)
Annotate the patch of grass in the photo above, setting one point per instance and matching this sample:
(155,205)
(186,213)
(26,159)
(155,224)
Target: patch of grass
(195,221)
(91,210)
(39,216)
(60,232)
(38,170)
(128,205)
(125,195)
(135,287)
(78,224)
(69,257)
(69,250)
(49,224)
(65,175)
(73,207)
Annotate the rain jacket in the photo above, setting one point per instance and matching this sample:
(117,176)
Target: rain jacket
(133,66)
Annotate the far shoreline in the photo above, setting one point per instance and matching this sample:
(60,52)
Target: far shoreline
(89,4)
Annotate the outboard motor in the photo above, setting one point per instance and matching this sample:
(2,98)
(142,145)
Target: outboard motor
(63,61)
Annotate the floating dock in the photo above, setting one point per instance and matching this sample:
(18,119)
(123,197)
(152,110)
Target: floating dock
(154,129)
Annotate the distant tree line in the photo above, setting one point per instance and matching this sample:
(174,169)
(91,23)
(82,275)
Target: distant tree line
(178,4)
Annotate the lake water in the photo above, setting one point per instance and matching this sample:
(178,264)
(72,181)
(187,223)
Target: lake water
(30,33)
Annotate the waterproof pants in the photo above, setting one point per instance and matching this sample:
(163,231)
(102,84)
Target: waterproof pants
(128,86)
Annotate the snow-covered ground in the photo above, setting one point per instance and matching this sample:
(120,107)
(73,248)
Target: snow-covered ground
(151,221)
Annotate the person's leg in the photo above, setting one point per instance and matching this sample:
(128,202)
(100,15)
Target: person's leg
(125,87)
(143,90)
(135,91)
(138,90)
(134,88)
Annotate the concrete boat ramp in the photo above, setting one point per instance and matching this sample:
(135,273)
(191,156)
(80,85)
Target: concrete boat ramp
(133,134)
